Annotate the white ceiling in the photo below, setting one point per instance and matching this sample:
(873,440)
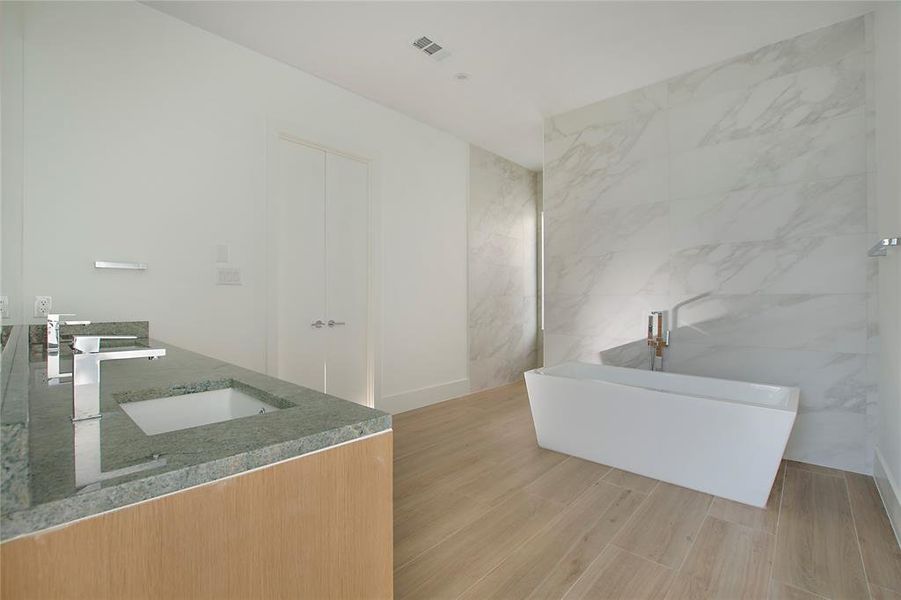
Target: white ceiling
(526,60)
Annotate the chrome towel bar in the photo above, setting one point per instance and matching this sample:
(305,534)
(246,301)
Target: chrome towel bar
(109,264)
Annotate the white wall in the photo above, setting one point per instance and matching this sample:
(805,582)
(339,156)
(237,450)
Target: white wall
(887,105)
(146,140)
(11,118)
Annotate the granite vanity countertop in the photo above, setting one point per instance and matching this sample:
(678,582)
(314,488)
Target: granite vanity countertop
(39,488)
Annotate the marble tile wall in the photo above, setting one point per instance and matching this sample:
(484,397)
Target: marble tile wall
(736,197)
(503,312)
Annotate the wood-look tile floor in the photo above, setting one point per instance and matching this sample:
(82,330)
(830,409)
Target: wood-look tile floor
(482,512)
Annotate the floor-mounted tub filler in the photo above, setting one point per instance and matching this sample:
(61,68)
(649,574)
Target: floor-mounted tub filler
(722,437)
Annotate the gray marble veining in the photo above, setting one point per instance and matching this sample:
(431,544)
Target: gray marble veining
(622,107)
(826,207)
(624,272)
(503,313)
(808,153)
(308,421)
(821,47)
(639,182)
(824,322)
(801,98)
(597,232)
(816,265)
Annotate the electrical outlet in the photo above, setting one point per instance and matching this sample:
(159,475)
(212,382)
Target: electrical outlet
(228,276)
(4,307)
(42,306)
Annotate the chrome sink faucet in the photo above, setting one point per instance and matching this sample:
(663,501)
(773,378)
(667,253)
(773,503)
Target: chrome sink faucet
(86,370)
(53,324)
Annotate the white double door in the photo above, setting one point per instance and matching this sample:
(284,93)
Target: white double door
(322,222)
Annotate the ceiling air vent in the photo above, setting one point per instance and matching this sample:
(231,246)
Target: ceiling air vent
(430,47)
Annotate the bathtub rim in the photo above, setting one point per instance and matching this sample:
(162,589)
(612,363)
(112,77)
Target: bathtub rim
(790,404)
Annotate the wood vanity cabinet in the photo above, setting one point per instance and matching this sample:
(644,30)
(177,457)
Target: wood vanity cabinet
(316,526)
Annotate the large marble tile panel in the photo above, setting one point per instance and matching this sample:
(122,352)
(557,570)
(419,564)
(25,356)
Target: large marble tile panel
(824,150)
(600,145)
(643,181)
(498,339)
(496,221)
(816,48)
(837,439)
(558,348)
(624,272)
(500,370)
(801,98)
(828,207)
(502,269)
(498,249)
(873,331)
(610,110)
(501,308)
(830,322)
(643,227)
(873,408)
(498,180)
(823,265)
(633,355)
(502,194)
(488,280)
(610,320)
(828,380)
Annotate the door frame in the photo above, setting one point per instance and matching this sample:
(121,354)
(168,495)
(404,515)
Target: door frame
(281,131)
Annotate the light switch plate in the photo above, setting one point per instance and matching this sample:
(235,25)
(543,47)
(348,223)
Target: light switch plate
(222,253)
(42,306)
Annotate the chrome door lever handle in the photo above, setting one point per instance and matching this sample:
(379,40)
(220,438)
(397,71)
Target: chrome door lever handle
(318,324)
(333,323)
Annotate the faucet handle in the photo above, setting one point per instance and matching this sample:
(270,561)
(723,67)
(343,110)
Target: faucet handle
(89,344)
(54,319)
(56,316)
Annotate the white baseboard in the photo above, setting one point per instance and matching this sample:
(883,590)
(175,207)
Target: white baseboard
(890,492)
(405,401)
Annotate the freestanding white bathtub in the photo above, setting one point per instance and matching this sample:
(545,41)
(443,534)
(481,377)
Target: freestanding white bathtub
(717,436)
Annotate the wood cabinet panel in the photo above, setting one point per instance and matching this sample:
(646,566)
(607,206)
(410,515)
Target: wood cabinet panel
(317,526)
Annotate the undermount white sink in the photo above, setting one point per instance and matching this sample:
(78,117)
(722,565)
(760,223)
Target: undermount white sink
(172,413)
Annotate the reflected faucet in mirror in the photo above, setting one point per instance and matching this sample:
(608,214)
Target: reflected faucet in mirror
(86,407)
(658,339)
(53,326)
(88,470)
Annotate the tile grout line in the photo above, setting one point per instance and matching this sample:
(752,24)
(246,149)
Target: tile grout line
(772,578)
(541,530)
(650,560)
(866,576)
(697,534)
(487,507)
(433,546)
(827,471)
(610,543)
